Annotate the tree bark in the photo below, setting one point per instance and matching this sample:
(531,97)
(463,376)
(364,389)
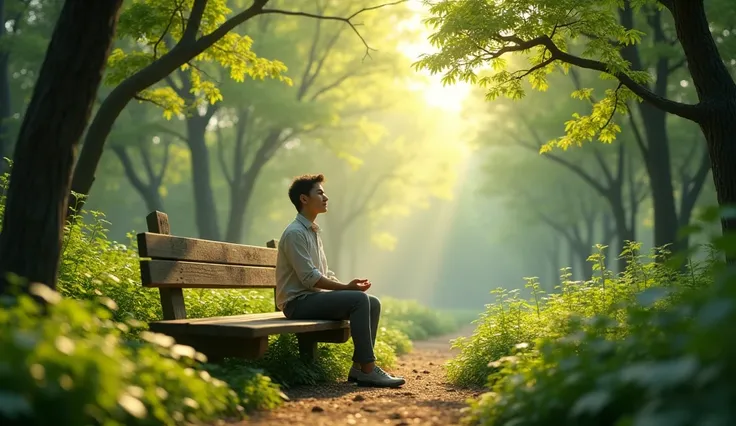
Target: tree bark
(5,107)
(717,94)
(60,107)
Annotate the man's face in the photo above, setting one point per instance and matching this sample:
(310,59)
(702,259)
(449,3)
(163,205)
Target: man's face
(316,201)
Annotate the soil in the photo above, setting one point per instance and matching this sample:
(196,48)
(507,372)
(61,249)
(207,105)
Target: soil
(425,399)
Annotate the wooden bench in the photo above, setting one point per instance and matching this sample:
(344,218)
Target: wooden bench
(173,263)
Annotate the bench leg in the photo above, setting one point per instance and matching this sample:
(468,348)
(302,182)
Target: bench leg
(307,347)
(308,341)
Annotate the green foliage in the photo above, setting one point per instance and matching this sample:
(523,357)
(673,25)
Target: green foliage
(661,355)
(396,339)
(71,365)
(152,27)
(513,320)
(416,321)
(499,45)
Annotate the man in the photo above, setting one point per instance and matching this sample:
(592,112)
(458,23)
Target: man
(307,289)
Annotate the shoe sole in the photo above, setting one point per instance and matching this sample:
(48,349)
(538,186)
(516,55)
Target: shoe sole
(372,385)
(376,385)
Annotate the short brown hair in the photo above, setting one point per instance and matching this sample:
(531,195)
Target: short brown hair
(301,185)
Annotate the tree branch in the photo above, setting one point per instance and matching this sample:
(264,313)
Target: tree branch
(336,83)
(221,156)
(637,135)
(347,20)
(164,163)
(694,112)
(602,163)
(128,167)
(195,20)
(677,65)
(307,84)
(361,208)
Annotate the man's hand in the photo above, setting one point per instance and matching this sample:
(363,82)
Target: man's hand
(360,284)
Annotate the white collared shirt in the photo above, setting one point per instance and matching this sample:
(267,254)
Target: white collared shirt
(301,261)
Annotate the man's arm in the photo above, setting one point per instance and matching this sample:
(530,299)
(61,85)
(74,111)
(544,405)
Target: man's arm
(296,251)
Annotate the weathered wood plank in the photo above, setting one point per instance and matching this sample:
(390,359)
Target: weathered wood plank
(172,299)
(170,247)
(251,326)
(173,274)
(216,348)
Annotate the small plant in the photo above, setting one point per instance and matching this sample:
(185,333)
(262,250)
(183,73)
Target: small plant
(68,364)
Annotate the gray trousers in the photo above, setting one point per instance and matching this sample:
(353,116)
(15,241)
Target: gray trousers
(363,311)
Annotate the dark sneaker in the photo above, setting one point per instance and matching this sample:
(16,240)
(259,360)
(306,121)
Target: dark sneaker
(377,378)
(354,371)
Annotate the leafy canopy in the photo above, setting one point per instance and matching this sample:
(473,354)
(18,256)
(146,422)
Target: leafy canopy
(153,27)
(498,45)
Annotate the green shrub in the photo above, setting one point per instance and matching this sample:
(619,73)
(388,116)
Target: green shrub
(396,339)
(512,320)
(670,361)
(417,321)
(71,366)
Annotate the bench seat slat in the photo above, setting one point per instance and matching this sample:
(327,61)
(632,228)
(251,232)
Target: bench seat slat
(245,326)
(173,274)
(169,247)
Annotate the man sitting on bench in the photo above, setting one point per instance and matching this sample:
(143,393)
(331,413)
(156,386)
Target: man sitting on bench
(302,277)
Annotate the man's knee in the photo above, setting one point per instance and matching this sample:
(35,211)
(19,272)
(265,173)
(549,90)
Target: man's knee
(375,302)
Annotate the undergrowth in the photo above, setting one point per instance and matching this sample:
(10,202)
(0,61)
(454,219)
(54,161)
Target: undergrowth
(67,363)
(652,346)
(512,319)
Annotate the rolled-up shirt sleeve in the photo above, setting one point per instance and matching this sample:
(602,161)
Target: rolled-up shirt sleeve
(296,251)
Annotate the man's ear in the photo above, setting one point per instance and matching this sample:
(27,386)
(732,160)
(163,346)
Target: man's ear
(303,198)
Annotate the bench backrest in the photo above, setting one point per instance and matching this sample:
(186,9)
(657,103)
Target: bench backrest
(173,263)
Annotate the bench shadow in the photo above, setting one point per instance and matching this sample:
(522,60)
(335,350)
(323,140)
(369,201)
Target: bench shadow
(326,390)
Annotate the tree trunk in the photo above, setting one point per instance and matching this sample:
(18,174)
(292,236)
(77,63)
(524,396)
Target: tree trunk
(65,91)
(720,132)
(581,254)
(553,257)
(205,210)
(660,178)
(336,250)
(572,261)
(186,50)
(657,153)
(623,233)
(6,147)
(5,141)
(717,93)
(149,191)
(240,195)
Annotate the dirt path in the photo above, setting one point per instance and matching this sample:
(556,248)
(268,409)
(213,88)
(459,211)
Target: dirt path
(426,398)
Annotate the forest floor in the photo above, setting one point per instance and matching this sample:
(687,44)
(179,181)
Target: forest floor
(425,399)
